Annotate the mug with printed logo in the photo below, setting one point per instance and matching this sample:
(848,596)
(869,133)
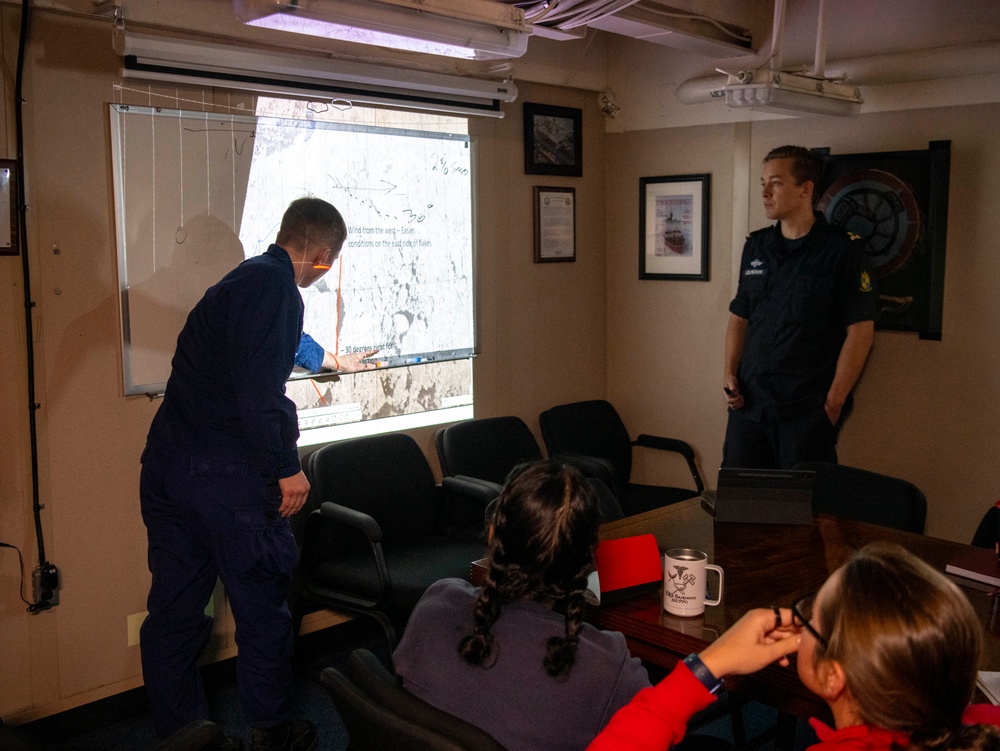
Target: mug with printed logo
(684,574)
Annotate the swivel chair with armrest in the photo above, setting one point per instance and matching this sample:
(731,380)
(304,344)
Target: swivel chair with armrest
(486,448)
(380,713)
(484,451)
(594,431)
(383,531)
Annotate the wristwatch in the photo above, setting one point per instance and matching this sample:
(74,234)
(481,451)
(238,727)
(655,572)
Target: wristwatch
(703,674)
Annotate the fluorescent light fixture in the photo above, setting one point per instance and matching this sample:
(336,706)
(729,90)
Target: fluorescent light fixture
(791,94)
(472,29)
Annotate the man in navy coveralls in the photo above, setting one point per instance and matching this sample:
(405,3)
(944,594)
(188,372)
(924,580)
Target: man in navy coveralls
(800,327)
(220,477)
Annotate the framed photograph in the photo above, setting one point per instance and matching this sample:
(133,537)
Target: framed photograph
(9,217)
(673,227)
(896,204)
(555,224)
(553,140)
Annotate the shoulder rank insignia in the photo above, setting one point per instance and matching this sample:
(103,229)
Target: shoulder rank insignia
(866,282)
(853,236)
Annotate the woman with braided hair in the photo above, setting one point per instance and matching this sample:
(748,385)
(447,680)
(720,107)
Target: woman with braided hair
(514,657)
(889,643)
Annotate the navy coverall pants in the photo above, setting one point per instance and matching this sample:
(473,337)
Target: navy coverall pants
(207,519)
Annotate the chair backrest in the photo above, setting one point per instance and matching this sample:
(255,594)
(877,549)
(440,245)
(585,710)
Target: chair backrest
(385,476)
(611,509)
(380,713)
(867,496)
(487,448)
(592,428)
(987,534)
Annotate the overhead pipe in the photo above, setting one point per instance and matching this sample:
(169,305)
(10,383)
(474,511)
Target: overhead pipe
(819,56)
(777,34)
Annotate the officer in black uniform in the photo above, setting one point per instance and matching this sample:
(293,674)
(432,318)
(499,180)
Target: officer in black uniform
(800,327)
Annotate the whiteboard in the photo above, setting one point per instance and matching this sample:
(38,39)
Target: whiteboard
(196,193)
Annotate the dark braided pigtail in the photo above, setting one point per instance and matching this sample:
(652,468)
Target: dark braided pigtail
(560,655)
(477,647)
(504,582)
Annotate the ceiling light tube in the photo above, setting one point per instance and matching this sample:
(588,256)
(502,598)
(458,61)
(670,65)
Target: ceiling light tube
(472,29)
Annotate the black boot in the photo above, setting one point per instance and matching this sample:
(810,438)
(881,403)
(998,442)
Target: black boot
(297,735)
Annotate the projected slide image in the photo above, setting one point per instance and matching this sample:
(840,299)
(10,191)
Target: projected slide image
(403,284)
(197,192)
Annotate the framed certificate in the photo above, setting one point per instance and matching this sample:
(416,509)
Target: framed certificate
(555,224)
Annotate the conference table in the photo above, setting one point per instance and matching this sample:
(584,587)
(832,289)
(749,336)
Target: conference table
(764,565)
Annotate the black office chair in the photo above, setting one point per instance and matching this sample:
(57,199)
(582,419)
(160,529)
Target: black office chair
(487,448)
(383,531)
(379,713)
(593,429)
(867,496)
(987,534)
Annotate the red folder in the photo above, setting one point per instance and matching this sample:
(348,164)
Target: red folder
(628,566)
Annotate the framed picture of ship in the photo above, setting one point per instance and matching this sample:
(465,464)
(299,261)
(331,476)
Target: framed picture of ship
(673,227)
(553,140)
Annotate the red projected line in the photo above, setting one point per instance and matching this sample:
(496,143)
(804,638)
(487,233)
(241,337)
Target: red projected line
(336,336)
(320,393)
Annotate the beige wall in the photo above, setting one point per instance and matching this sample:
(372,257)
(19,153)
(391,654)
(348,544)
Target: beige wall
(924,410)
(542,334)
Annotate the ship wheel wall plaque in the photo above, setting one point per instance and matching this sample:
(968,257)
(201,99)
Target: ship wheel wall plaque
(896,203)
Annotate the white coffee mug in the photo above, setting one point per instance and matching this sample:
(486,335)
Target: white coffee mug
(684,573)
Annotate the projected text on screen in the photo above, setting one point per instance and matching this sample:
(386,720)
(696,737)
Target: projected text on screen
(198,192)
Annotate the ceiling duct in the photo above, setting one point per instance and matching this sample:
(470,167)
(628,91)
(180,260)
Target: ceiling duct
(648,20)
(672,27)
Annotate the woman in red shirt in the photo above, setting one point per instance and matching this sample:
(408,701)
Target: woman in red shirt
(890,645)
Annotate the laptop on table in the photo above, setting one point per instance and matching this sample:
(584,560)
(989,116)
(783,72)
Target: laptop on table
(761,496)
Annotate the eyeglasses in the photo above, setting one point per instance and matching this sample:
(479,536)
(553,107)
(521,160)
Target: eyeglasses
(802,613)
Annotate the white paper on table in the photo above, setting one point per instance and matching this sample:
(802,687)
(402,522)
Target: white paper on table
(593,592)
(989,682)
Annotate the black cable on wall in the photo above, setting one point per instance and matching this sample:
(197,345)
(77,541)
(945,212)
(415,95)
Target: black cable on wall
(45,577)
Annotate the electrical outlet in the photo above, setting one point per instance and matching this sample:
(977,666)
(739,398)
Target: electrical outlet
(45,586)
